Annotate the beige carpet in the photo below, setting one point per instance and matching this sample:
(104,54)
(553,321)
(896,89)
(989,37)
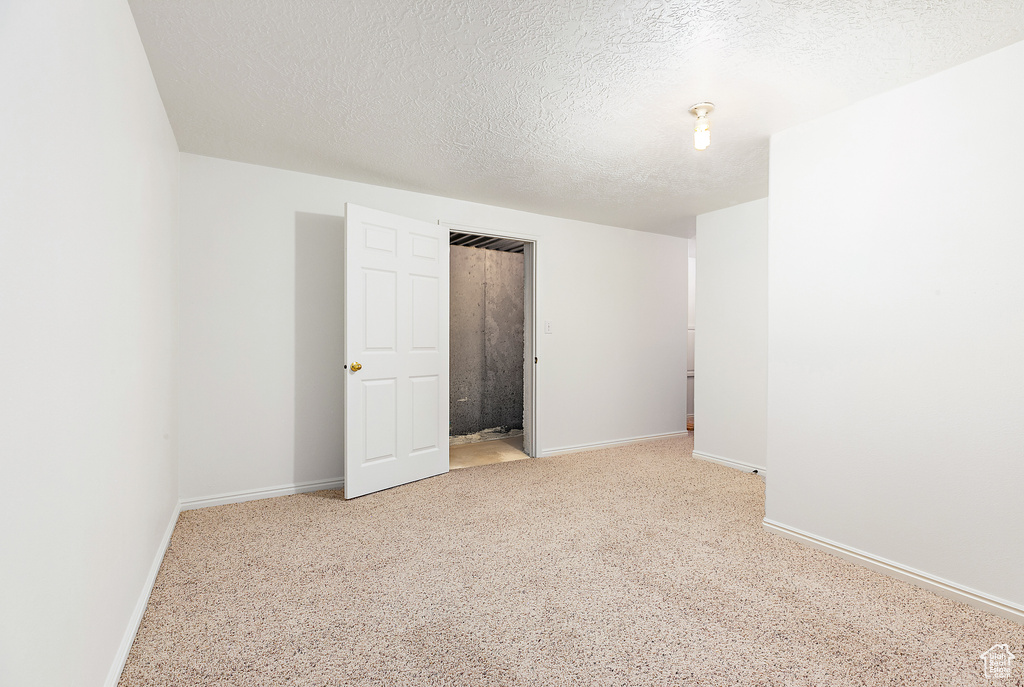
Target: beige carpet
(629,566)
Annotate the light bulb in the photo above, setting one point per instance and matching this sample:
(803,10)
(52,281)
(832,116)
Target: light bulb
(702,129)
(701,132)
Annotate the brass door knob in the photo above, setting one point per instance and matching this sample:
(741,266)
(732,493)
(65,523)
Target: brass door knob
(356,367)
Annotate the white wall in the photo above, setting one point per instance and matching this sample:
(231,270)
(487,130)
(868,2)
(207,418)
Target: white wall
(319,339)
(691,321)
(88,479)
(730,393)
(613,368)
(896,293)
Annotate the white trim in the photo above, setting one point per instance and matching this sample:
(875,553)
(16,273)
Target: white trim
(730,463)
(121,657)
(255,494)
(607,444)
(531,371)
(951,590)
(485,231)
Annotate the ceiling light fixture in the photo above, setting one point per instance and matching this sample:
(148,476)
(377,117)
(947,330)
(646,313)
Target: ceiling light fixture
(702,129)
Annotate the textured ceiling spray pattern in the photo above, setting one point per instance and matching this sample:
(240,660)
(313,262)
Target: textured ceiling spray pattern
(569,108)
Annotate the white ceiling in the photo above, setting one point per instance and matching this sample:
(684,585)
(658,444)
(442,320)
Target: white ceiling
(573,108)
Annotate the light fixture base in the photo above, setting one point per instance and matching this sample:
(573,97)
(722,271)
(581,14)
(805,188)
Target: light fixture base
(702,109)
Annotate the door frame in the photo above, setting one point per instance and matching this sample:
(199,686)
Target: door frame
(530,298)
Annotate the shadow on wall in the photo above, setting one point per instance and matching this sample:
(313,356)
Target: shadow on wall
(486,340)
(319,347)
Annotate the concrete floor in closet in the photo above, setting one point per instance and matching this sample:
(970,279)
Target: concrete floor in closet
(486,453)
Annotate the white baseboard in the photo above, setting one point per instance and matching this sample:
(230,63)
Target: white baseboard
(140,606)
(951,590)
(730,463)
(255,494)
(607,444)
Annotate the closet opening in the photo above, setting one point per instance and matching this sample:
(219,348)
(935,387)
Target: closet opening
(492,360)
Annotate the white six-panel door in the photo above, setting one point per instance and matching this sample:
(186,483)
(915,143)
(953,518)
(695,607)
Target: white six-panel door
(396,329)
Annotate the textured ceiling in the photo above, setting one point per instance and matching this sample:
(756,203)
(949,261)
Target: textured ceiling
(573,108)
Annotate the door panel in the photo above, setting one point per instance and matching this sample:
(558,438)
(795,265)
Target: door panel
(380,399)
(380,305)
(396,417)
(425,397)
(425,313)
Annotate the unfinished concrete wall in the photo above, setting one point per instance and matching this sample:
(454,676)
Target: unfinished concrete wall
(486,340)
(466,343)
(502,403)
